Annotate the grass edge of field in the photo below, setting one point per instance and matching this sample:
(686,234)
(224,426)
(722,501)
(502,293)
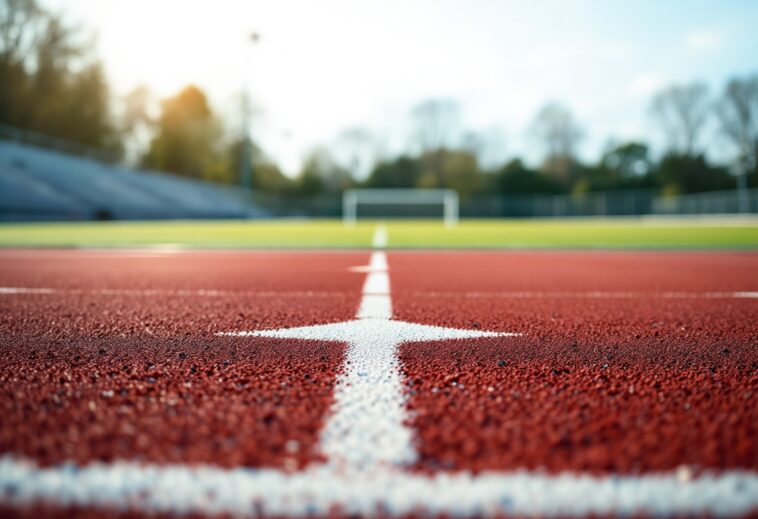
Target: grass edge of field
(510,234)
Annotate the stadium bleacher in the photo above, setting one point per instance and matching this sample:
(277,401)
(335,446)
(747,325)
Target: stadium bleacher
(43,184)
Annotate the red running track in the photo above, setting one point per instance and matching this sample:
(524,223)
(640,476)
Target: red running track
(606,382)
(628,362)
(102,376)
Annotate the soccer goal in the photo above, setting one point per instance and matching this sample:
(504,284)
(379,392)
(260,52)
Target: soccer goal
(391,200)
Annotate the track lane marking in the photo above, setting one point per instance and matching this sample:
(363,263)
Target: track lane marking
(185,489)
(379,239)
(379,285)
(167,292)
(367,429)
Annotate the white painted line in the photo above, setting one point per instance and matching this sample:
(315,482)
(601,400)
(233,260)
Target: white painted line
(367,429)
(746,295)
(375,306)
(380,284)
(378,262)
(25,290)
(590,295)
(379,241)
(377,283)
(184,489)
(166,292)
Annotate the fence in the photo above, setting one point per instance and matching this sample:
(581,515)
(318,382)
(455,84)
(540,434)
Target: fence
(613,203)
(608,203)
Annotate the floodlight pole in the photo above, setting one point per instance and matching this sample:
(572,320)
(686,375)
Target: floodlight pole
(246,159)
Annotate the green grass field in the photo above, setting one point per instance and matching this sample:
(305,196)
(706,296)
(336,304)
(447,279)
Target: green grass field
(495,234)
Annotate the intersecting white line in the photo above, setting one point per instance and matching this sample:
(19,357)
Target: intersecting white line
(367,429)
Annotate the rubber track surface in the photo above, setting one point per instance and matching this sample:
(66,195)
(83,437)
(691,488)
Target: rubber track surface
(625,384)
(90,376)
(122,361)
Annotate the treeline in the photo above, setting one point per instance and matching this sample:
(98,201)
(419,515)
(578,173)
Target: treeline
(51,83)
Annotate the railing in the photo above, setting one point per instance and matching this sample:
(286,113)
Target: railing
(41,140)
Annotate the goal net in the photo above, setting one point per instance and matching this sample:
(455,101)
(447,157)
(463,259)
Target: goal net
(400,203)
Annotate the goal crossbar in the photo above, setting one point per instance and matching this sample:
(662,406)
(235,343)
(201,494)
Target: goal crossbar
(448,198)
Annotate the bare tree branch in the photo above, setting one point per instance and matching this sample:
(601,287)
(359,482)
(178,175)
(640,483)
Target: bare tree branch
(682,112)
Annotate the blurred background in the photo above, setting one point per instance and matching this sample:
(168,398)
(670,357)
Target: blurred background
(251,109)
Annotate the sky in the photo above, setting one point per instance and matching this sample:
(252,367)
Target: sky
(322,66)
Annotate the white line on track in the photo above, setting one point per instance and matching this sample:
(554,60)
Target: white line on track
(378,284)
(165,292)
(592,295)
(379,240)
(183,489)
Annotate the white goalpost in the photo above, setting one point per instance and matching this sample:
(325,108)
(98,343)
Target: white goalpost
(447,198)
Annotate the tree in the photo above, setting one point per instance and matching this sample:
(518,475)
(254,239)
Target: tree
(622,166)
(49,83)
(20,27)
(678,173)
(320,169)
(21,24)
(436,123)
(188,138)
(559,134)
(738,113)
(460,171)
(515,178)
(357,151)
(628,160)
(682,111)
(403,171)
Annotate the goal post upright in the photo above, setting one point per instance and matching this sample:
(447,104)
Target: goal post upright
(349,207)
(451,208)
(448,198)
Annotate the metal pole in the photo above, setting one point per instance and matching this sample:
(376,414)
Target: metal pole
(246,159)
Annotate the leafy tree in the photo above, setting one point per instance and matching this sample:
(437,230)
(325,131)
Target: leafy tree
(403,171)
(321,173)
(459,171)
(188,135)
(624,166)
(308,183)
(678,173)
(48,82)
(515,178)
